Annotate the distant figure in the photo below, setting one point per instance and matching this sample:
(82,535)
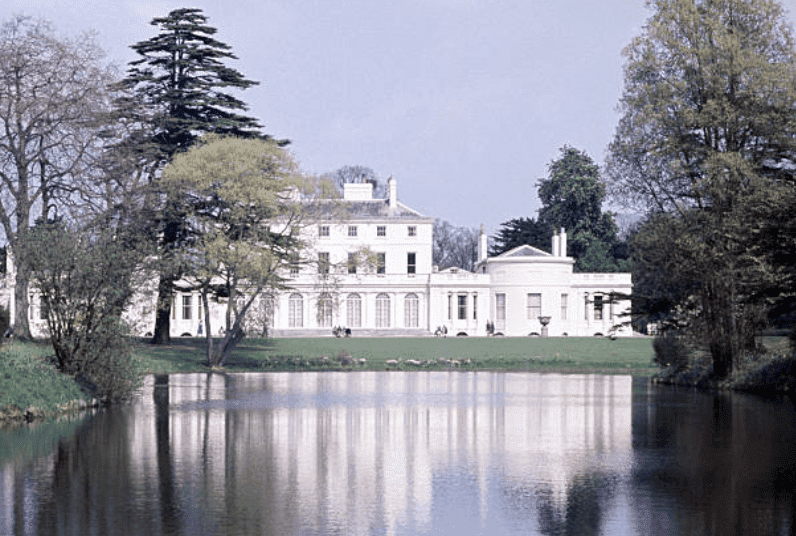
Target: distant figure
(199,330)
(9,332)
(347,332)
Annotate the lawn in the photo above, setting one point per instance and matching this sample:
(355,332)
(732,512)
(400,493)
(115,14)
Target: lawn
(573,354)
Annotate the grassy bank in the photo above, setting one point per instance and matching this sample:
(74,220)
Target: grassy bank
(771,370)
(29,379)
(577,355)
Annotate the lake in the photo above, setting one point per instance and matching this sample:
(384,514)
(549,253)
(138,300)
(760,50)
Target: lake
(410,453)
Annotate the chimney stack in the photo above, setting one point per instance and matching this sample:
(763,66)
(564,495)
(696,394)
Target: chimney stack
(392,188)
(562,243)
(482,242)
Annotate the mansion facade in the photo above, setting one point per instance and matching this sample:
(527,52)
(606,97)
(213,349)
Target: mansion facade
(371,271)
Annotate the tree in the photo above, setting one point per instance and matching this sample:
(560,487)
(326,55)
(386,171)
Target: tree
(241,198)
(177,91)
(53,96)
(707,135)
(355,175)
(521,231)
(454,246)
(572,198)
(85,278)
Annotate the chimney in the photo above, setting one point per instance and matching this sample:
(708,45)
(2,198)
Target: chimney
(562,246)
(482,245)
(392,187)
(555,247)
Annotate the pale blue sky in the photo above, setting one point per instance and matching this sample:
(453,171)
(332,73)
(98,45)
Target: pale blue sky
(464,102)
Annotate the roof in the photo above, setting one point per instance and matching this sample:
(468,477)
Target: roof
(374,209)
(523,251)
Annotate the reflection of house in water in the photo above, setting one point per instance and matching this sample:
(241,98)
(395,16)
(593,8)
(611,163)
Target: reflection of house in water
(301,451)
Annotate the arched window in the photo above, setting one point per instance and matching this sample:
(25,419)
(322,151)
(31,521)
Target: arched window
(325,310)
(353,306)
(382,311)
(267,310)
(411,308)
(295,311)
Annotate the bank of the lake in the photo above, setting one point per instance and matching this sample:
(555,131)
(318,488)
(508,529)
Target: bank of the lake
(30,385)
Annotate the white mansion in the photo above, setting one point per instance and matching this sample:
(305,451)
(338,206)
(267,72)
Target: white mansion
(399,293)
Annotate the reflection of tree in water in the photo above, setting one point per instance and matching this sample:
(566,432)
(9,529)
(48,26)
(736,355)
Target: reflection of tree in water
(585,501)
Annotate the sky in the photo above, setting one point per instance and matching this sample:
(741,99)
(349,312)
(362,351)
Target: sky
(463,102)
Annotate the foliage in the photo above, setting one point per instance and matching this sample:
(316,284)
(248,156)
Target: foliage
(243,206)
(520,231)
(357,174)
(53,98)
(85,281)
(454,246)
(176,91)
(671,350)
(572,198)
(707,137)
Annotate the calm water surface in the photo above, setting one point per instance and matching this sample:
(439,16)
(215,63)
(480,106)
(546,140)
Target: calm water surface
(405,453)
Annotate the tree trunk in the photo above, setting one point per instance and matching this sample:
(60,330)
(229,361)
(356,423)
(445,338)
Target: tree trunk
(162,334)
(21,303)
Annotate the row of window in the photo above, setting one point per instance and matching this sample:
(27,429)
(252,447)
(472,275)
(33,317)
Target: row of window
(325,306)
(324,231)
(534,306)
(353,318)
(324,263)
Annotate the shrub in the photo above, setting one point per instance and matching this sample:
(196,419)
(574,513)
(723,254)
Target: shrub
(672,350)
(85,280)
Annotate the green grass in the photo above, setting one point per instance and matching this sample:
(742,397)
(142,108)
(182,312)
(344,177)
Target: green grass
(571,354)
(28,378)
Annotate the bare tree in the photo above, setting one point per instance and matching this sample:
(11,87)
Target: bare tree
(52,94)
(454,246)
(357,174)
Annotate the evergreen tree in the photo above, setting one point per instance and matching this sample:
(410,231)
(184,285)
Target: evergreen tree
(572,197)
(521,231)
(175,92)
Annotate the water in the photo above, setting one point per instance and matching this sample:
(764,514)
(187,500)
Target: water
(406,453)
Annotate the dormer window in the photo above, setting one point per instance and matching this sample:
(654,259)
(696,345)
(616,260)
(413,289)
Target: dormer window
(381,230)
(323,231)
(412,230)
(352,231)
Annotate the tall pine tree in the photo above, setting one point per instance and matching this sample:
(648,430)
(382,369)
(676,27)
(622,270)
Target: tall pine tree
(174,93)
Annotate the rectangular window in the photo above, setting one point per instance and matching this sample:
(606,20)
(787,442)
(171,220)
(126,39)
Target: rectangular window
(294,264)
(475,306)
(412,230)
(352,263)
(462,306)
(381,263)
(534,306)
(352,230)
(586,307)
(611,307)
(598,307)
(450,306)
(323,262)
(173,308)
(186,307)
(564,300)
(411,263)
(500,308)
(381,230)
(199,307)
(323,230)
